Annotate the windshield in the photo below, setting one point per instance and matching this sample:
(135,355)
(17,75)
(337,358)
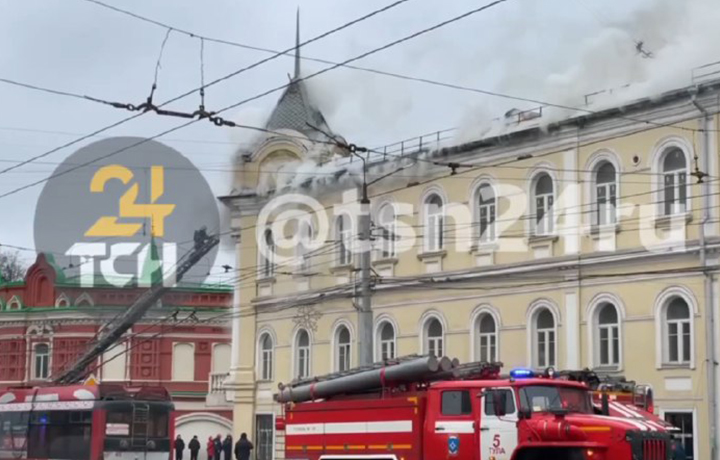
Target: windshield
(551,398)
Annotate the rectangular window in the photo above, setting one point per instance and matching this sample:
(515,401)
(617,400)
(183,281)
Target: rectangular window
(606,203)
(267,357)
(684,422)
(60,435)
(343,357)
(489,404)
(387,349)
(456,403)
(487,347)
(435,233)
(264,436)
(303,362)
(675,199)
(543,214)
(609,346)
(545,348)
(435,346)
(487,223)
(678,342)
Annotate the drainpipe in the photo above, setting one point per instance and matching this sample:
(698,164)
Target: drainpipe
(708,284)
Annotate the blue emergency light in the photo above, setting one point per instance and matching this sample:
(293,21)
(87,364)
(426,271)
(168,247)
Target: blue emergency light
(522,373)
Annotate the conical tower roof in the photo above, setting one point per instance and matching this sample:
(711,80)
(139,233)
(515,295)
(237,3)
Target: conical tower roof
(294,109)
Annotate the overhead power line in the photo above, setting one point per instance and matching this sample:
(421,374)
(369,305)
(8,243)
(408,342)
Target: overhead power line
(212,83)
(268,92)
(638,45)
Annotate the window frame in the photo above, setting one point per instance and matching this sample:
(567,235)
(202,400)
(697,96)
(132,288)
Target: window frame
(680,325)
(387,247)
(466,406)
(491,209)
(662,303)
(380,342)
(436,220)
(660,151)
(267,255)
(693,412)
(533,338)
(549,203)
(677,187)
(47,361)
(297,351)
(611,189)
(344,239)
(342,351)
(613,339)
(266,373)
(429,343)
(306,234)
(478,336)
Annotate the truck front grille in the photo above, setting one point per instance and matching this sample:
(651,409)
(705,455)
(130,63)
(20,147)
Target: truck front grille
(649,445)
(654,449)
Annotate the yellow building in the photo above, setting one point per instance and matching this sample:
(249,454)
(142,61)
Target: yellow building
(587,242)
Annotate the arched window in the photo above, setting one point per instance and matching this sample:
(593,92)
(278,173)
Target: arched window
(302,354)
(434,223)
(41,361)
(62,301)
(607,342)
(14,303)
(605,194)
(544,339)
(266,357)
(674,170)
(677,347)
(344,237)
(267,255)
(486,210)
(544,198)
(386,222)
(342,349)
(84,300)
(486,343)
(434,338)
(386,341)
(305,237)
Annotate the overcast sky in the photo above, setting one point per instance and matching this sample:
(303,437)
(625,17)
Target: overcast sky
(533,48)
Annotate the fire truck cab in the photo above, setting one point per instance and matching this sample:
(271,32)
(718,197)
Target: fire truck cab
(520,417)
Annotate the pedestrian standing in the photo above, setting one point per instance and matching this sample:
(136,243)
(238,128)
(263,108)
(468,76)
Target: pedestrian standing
(210,448)
(179,447)
(678,450)
(218,447)
(243,448)
(194,446)
(228,447)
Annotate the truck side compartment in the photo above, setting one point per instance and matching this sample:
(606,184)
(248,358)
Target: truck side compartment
(378,428)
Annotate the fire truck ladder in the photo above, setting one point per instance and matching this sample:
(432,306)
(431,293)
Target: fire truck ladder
(204,243)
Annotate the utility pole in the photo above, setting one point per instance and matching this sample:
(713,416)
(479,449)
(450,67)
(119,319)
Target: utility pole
(366,338)
(365,314)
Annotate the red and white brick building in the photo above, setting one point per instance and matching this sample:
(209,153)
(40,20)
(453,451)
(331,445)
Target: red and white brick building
(48,318)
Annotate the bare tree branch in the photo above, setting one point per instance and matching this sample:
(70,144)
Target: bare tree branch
(11,267)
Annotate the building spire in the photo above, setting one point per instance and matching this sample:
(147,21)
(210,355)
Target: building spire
(297,45)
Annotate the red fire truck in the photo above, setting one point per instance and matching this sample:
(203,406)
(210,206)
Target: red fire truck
(425,408)
(86,422)
(618,397)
